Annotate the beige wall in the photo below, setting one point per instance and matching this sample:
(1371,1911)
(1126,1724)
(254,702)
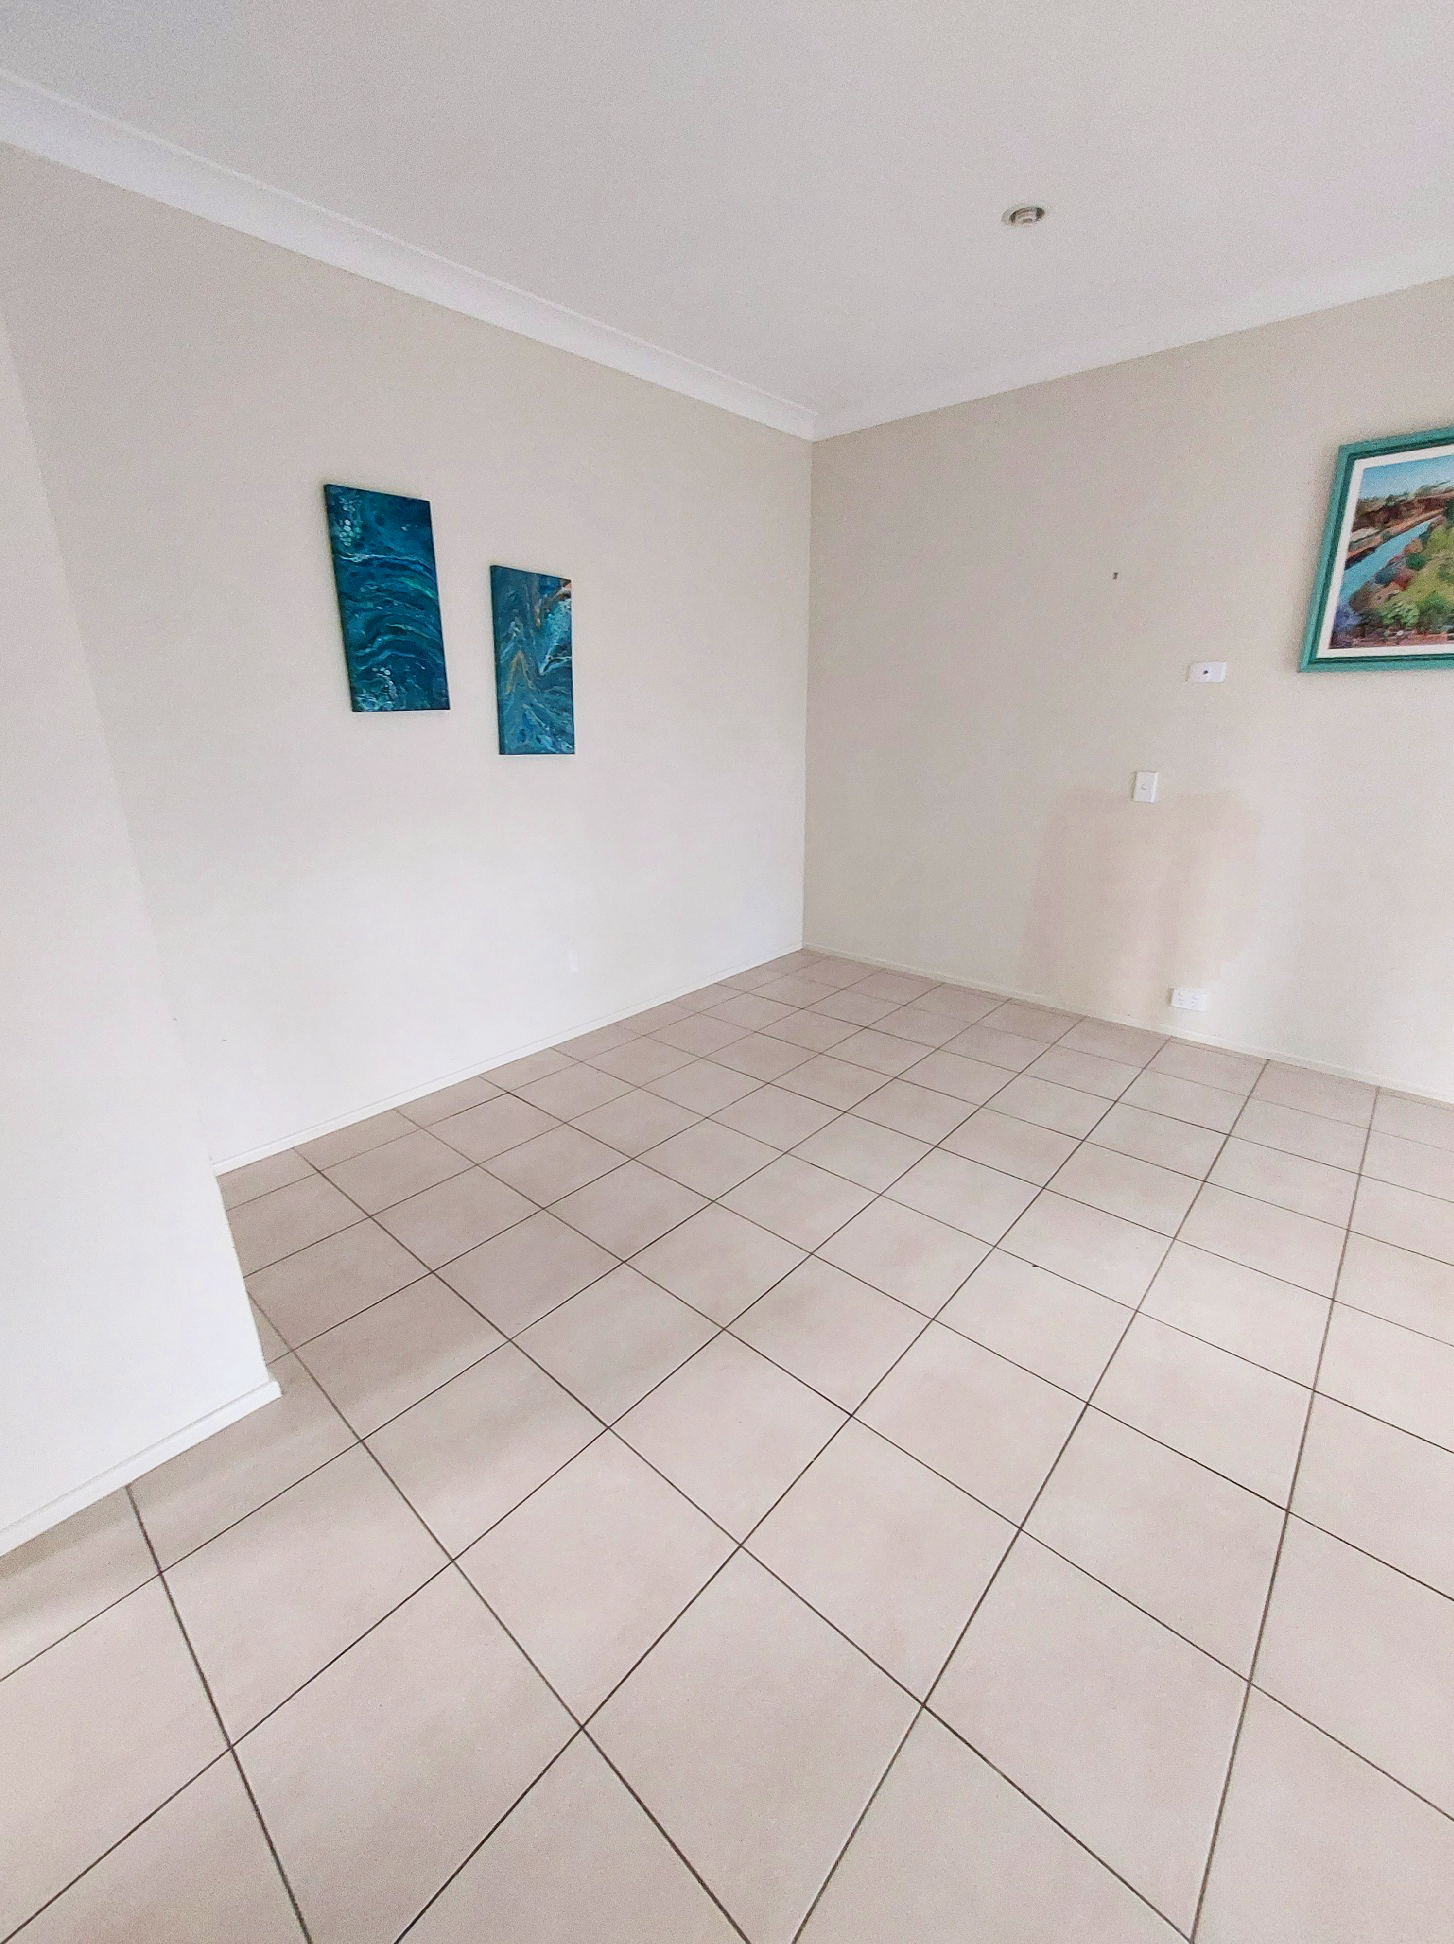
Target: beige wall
(1006,596)
(353,908)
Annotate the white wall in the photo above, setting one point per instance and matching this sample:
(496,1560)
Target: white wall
(353,908)
(1005,599)
(124,1328)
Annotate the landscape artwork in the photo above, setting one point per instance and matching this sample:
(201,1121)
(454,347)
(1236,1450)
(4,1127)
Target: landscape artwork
(388,599)
(533,680)
(1385,592)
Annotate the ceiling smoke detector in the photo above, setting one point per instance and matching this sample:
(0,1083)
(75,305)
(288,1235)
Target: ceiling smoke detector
(1023,215)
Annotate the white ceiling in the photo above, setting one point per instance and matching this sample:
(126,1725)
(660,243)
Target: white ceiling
(790,206)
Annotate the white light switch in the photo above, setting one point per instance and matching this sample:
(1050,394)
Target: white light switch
(1207,672)
(1189,998)
(1144,790)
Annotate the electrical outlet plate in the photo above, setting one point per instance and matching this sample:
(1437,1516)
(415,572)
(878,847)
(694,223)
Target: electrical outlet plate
(1189,998)
(1143,790)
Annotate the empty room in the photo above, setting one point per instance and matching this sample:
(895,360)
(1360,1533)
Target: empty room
(726,1044)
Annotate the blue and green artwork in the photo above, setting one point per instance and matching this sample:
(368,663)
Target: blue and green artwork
(388,599)
(533,680)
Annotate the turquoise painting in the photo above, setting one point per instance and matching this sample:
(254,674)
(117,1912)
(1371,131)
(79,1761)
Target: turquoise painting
(533,681)
(388,599)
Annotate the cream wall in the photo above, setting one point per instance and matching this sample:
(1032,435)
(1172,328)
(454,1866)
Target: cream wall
(1005,598)
(354,908)
(125,1333)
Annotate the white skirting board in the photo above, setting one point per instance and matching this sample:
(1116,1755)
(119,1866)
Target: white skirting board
(46,1516)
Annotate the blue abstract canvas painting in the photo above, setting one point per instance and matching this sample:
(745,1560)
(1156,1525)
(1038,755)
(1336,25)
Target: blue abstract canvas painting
(533,680)
(388,599)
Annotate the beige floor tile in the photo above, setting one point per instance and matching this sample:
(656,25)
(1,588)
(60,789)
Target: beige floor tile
(629,1208)
(923,1027)
(703,1034)
(1044,1103)
(949,1853)
(710,1158)
(400,1168)
(1055,1663)
(55,1583)
(1186,1100)
(1011,1051)
(1415,1120)
(902,987)
(797,1201)
(604,1039)
(515,1074)
(674,1010)
(855,1007)
(1086,1072)
(861,1151)
(482,1132)
(972,1081)
(388,1357)
(379,1778)
(751,1011)
(831,970)
(1035,1022)
(815,1031)
(578,1858)
(832,1081)
(1364,1652)
(704,1086)
(1423,1223)
(967,1195)
(637,1121)
(1209,1066)
(1120,1184)
(984,1424)
(831,1330)
(795,989)
(1132,1044)
(525,1272)
(756,1734)
(1241,1310)
(776,1116)
(332,1280)
(593,1568)
(887,1550)
(357,1138)
(94,1735)
(575,1091)
(1399,1286)
(275,1597)
(554,1164)
(718,1262)
(1190,1547)
(731,1430)
(269,1342)
(241,1185)
(1380,1489)
(1114,1257)
(611,1344)
(1410,1164)
(1311,1135)
(1157,1138)
(959,1002)
(1392,1374)
(1294,1248)
(1062,1332)
(1289,1180)
(470,1452)
(908,1255)
(1240,1420)
(186,1501)
(456,1215)
(1316,1845)
(916,1111)
(288,1219)
(197,1872)
(761,1057)
(879,1051)
(1316,1093)
(1013,1146)
(450,1100)
(640,1060)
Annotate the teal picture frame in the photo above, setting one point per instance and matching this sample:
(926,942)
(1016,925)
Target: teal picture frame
(1376,599)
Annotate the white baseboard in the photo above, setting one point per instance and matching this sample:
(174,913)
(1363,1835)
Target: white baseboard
(46,1516)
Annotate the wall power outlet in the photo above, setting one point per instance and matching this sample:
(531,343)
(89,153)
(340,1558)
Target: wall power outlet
(1189,998)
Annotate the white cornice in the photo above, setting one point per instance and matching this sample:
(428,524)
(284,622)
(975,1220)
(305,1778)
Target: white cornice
(48,125)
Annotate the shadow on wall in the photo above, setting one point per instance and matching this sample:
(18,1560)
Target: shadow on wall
(1130,900)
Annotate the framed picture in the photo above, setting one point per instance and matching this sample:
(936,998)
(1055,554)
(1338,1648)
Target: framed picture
(388,599)
(534,680)
(1385,589)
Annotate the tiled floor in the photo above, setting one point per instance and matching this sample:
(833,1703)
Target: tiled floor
(834,1456)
